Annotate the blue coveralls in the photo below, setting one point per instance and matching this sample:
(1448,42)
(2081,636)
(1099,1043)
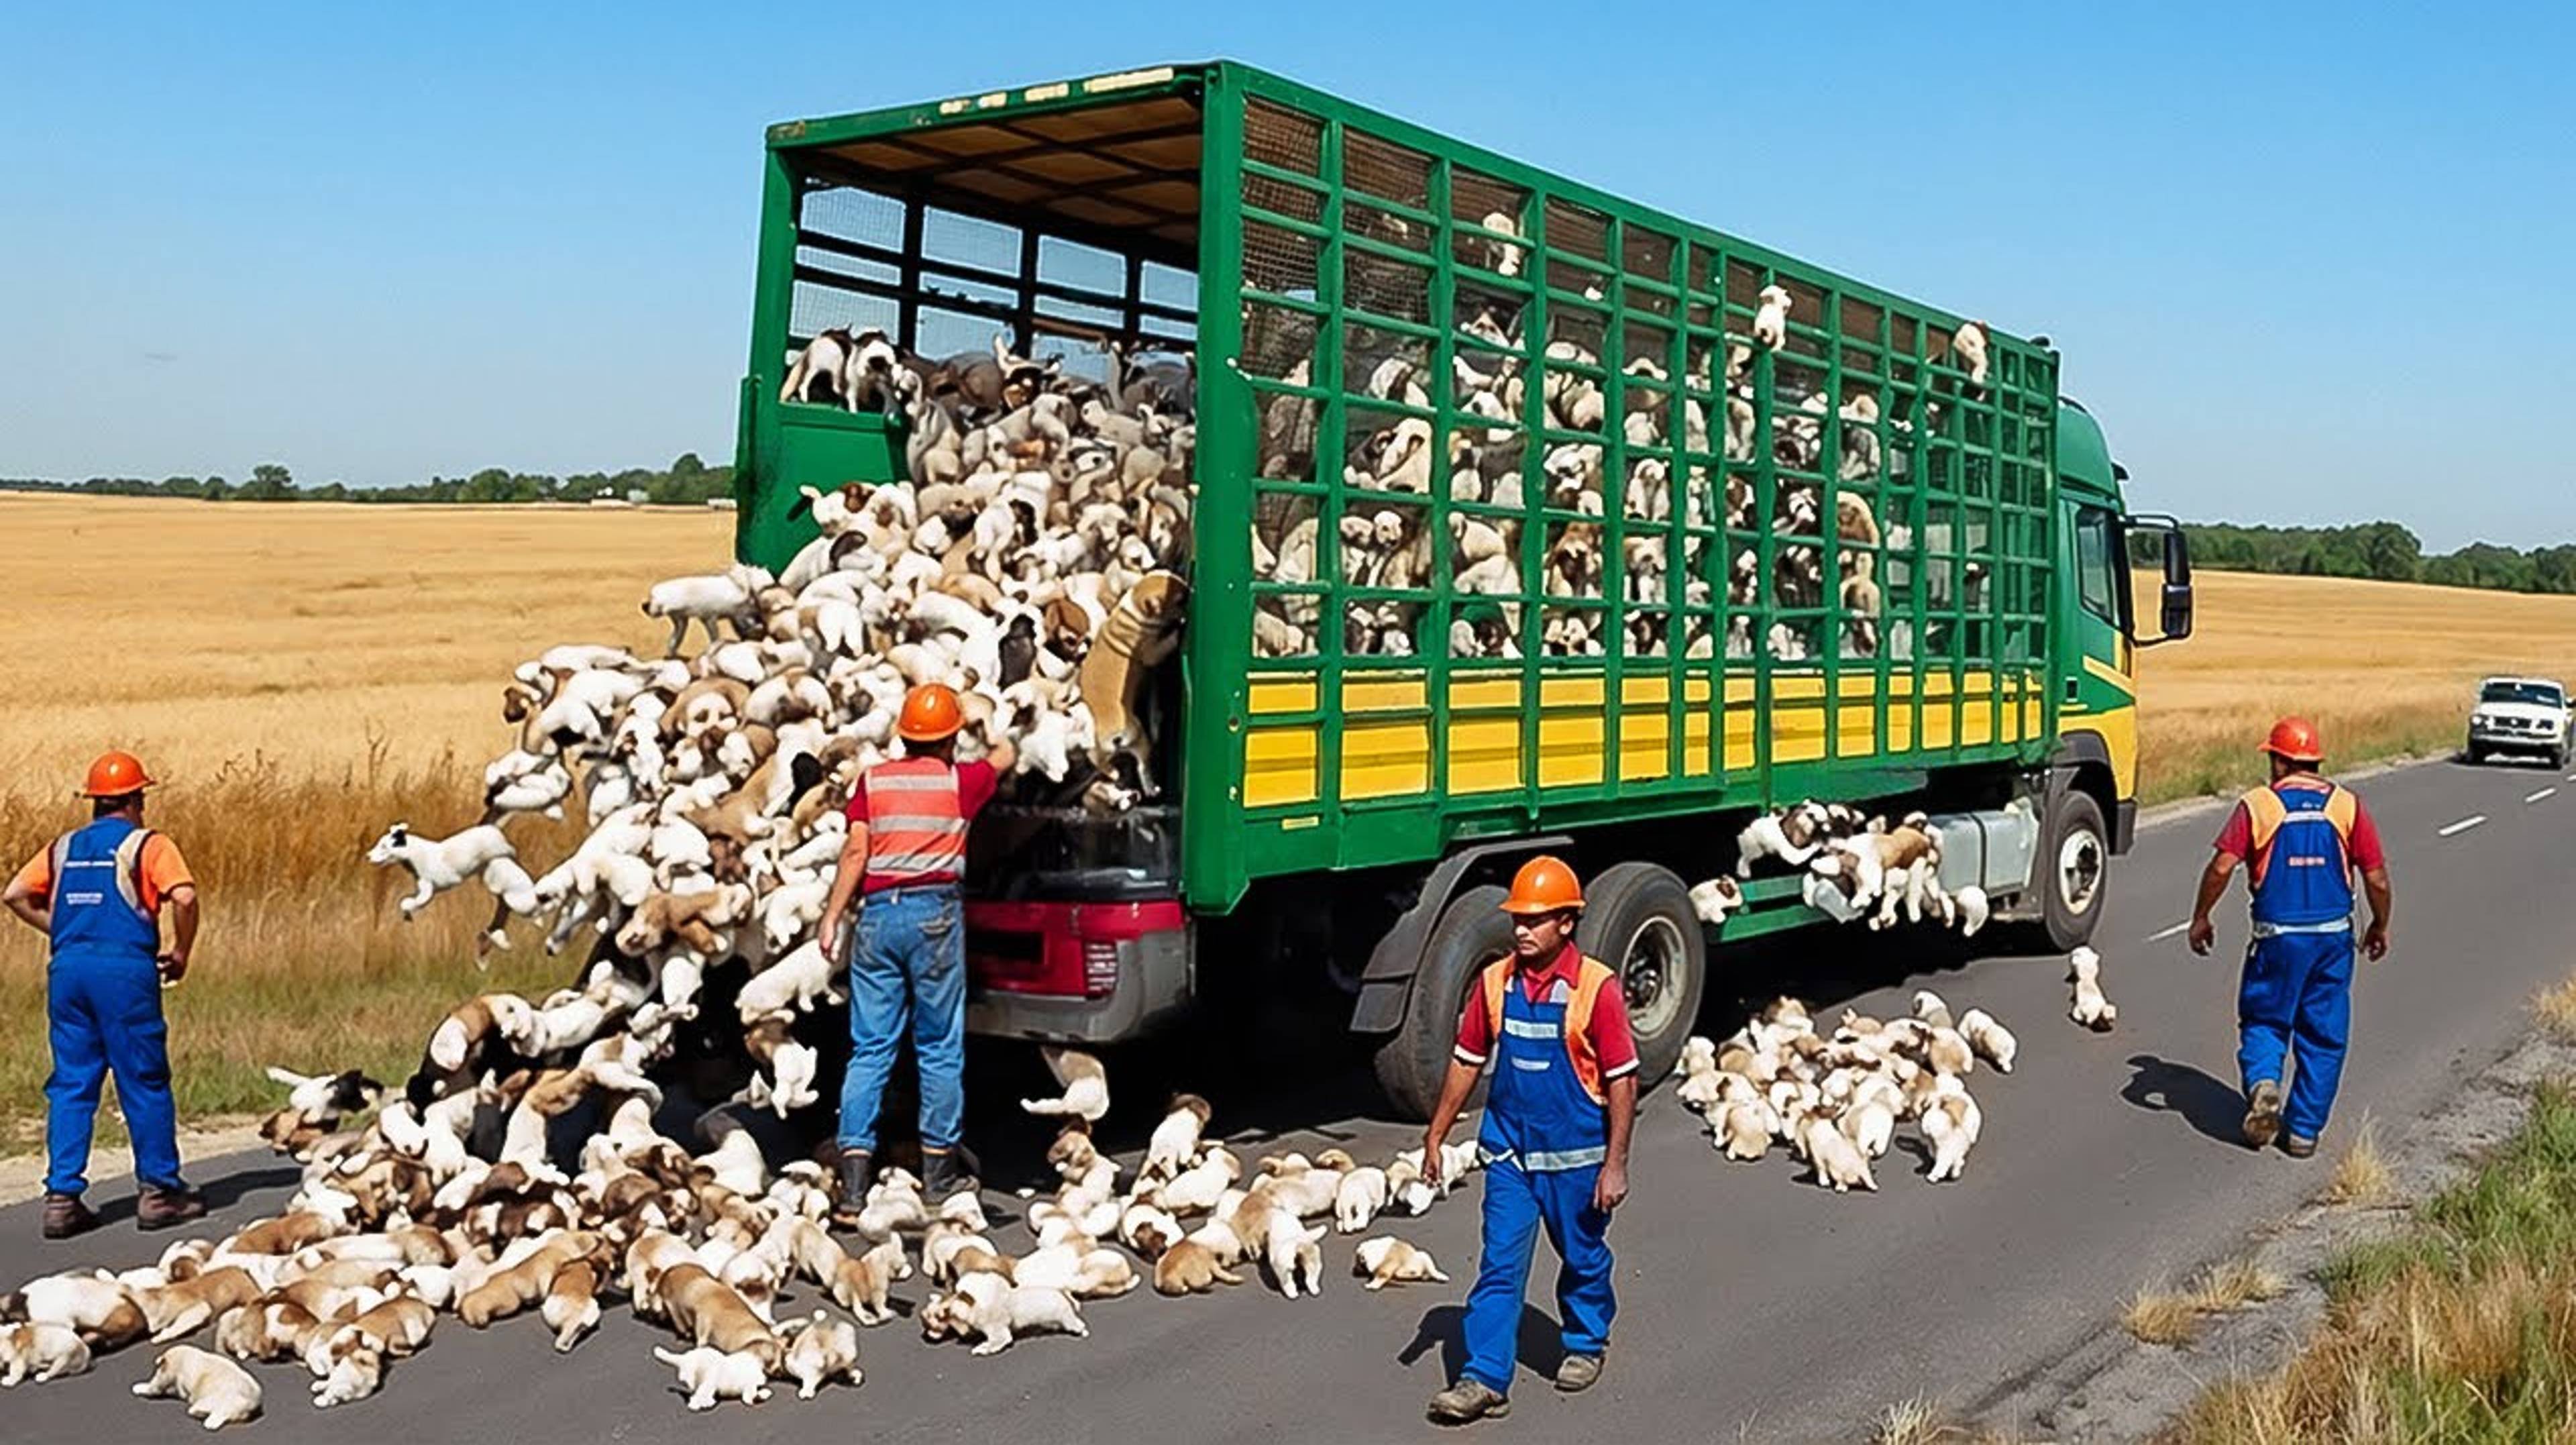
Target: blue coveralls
(103,1004)
(2297,988)
(1543,1140)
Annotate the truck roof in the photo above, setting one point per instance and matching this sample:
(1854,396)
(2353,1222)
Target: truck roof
(914,130)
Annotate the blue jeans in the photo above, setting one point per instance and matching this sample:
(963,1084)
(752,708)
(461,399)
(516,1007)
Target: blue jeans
(2296,996)
(908,960)
(1517,1203)
(104,1012)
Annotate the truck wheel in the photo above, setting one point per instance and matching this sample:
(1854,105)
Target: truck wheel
(1637,918)
(2075,861)
(2477,756)
(1411,1065)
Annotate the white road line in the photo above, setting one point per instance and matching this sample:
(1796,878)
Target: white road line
(2462,826)
(2543,793)
(2183,927)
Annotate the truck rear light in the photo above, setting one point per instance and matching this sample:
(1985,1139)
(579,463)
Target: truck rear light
(1099,967)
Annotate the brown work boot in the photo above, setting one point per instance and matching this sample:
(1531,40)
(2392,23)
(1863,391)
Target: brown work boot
(2298,1148)
(2263,1115)
(159,1208)
(1469,1400)
(1576,1373)
(66,1216)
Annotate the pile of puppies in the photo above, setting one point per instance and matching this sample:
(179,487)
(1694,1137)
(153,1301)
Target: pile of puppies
(1274,1219)
(462,1199)
(1836,1099)
(1855,867)
(1389,544)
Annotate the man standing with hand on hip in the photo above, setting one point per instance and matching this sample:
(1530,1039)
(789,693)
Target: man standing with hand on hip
(2302,838)
(1554,1137)
(97,894)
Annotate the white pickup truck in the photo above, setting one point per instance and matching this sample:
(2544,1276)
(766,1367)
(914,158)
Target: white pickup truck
(2527,716)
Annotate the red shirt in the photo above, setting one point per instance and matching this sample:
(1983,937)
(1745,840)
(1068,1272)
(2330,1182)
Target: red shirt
(1611,1041)
(976,783)
(2236,839)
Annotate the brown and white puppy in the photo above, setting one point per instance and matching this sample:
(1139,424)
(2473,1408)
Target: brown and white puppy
(283,1234)
(1387,1260)
(526,1282)
(269,1332)
(216,1390)
(821,1349)
(571,1306)
(861,1284)
(397,1329)
(40,1352)
(1175,1144)
(1190,1267)
(101,1311)
(1142,631)
(351,1371)
(708,1312)
(179,1310)
(992,1309)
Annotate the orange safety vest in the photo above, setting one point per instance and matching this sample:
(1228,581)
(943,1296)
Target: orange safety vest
(916,823)
(1589,976)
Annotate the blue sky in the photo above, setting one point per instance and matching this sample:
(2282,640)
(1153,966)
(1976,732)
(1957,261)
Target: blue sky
(2308,263)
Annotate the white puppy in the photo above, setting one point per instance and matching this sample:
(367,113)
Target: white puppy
(1992,1041)
(1387,1260)
(40,1352)
(1361,1197)
(215,1389)
(2091,1008)
(1086,1086)
(710,1375)
(1951,1125)
(1839,1163)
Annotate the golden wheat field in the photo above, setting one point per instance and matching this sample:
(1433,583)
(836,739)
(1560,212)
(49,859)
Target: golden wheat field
(300,676)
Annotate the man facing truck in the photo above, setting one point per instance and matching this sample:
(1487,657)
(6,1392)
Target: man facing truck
(902,862)
(2303,838)
(1554,1137)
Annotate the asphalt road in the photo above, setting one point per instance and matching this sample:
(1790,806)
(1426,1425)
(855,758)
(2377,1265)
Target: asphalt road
(1753,1304)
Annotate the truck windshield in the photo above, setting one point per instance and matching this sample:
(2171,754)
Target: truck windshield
(2539,693)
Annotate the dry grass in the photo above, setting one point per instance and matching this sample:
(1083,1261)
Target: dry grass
(299,677)
(2463,1328)
(2270,645)
(2361,1178)
(2157,1316)
(1911,1422)
(2555,1008)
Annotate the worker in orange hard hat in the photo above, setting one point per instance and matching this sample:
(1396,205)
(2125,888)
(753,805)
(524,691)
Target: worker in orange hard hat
(2301,839)
(1554,1138)
(97,894)
(904,857)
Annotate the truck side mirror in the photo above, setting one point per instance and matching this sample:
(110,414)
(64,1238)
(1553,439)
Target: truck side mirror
(2174,609)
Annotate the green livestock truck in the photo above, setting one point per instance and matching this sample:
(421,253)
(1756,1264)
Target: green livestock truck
(1749,532)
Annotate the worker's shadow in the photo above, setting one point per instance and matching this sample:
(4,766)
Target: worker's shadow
(2209,1104)
(1541,1346)
(222,1191)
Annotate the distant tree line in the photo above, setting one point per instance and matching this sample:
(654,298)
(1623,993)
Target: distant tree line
(686,482)
(2384,551)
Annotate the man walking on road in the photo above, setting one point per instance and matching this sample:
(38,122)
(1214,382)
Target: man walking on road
(97,894)
(1554,1137)
(903,860)
(2302,837)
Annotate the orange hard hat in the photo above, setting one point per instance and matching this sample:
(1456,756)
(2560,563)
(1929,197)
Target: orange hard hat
(2296,739)
(114,775)
(930,712)
(1544,885)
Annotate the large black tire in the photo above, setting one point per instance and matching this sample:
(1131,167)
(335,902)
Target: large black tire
(2072,870)
(2477,756)
(1414,1061)
(1637,918)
